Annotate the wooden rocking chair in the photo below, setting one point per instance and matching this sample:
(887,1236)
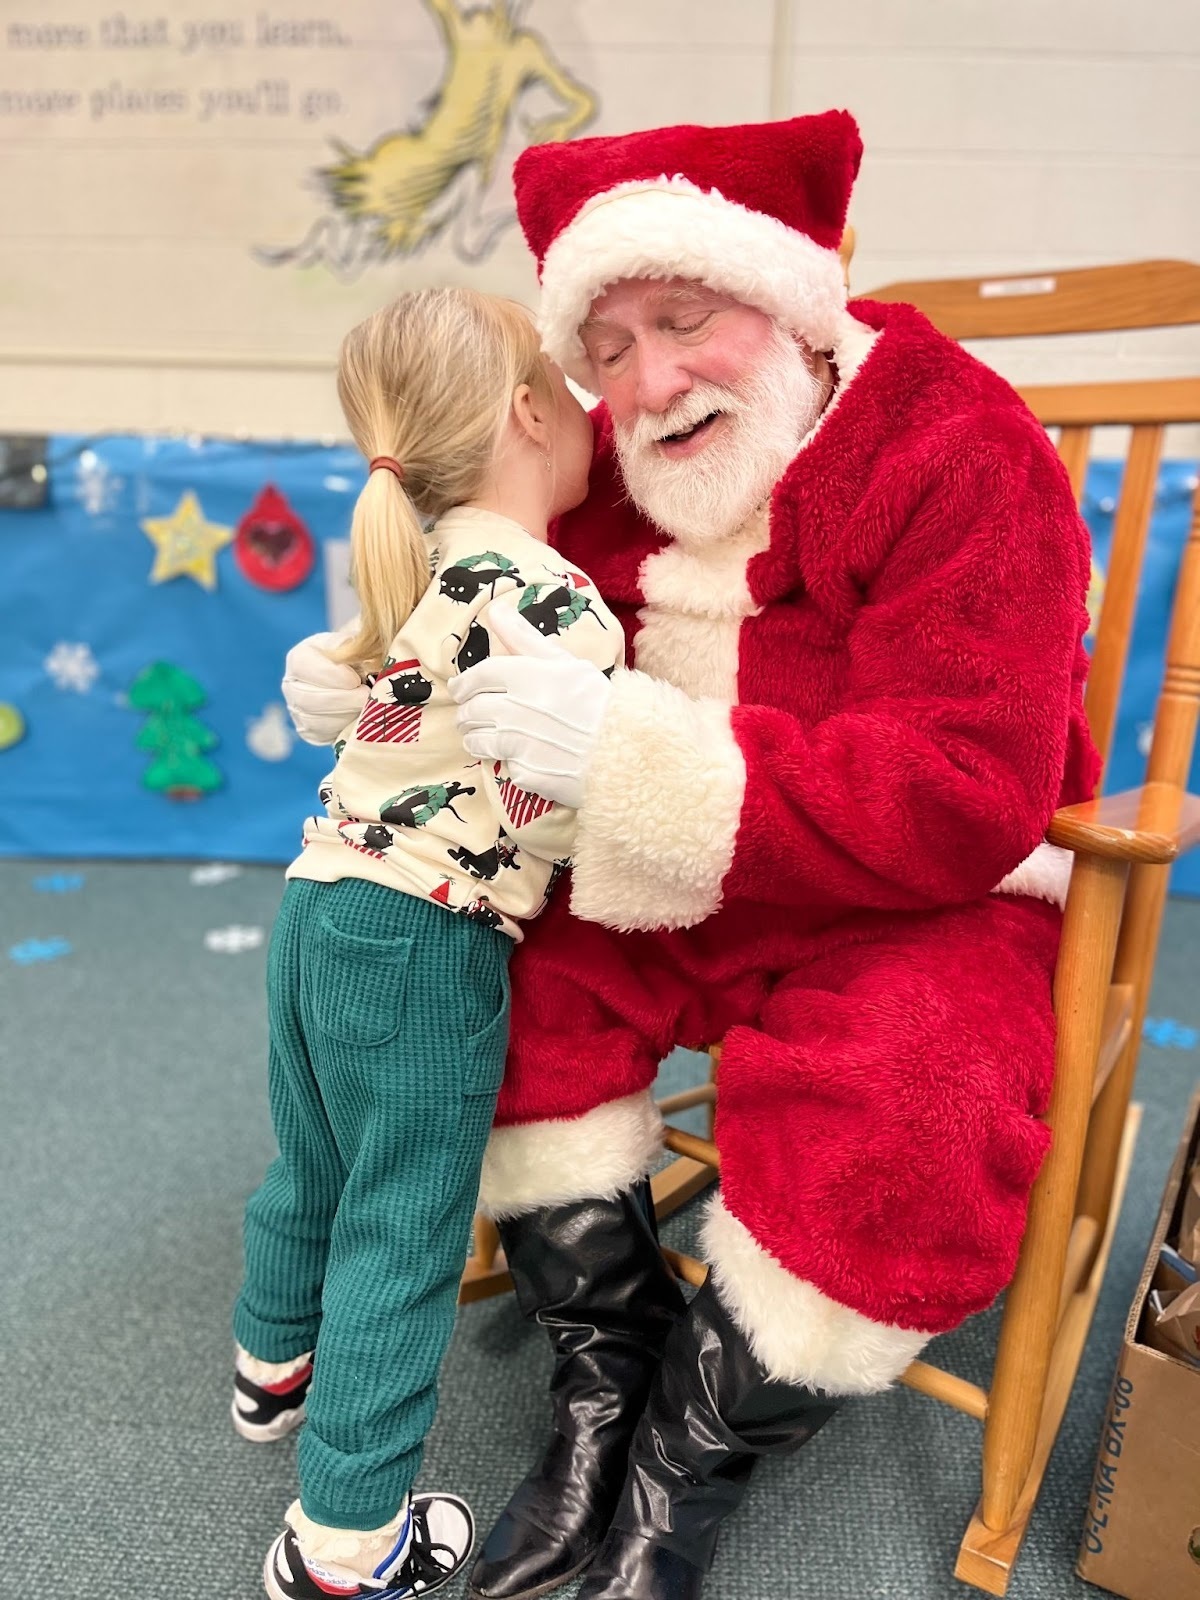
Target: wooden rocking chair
(1123,846)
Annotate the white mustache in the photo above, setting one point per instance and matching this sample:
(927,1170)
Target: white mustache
(708,494)
(651,427)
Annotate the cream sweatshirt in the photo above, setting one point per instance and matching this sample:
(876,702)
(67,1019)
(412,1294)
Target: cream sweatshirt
(405,805)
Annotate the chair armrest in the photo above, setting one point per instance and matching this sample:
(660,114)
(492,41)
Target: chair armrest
(1155,823)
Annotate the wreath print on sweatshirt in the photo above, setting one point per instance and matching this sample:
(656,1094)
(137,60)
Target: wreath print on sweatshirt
(553,608)
(411,808)
(415,807)
(464,581)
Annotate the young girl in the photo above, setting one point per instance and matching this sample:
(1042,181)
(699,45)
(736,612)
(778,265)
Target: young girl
(387,978)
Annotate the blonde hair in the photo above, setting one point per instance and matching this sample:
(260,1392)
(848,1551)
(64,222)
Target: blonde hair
(428,380)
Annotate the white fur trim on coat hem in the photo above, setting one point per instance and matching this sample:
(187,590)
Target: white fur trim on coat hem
(592,1157)
(662,799)
(799,1334)
(669,228)
(1043,875)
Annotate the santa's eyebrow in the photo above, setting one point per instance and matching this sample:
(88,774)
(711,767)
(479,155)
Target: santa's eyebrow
(599,325)
(692,294)
(698,295)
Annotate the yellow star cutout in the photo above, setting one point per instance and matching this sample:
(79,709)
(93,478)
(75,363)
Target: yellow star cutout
(186,543)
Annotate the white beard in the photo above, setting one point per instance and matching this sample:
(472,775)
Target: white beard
(708,496)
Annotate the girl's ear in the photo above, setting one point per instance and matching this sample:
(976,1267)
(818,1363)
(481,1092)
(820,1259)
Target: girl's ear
(529,413)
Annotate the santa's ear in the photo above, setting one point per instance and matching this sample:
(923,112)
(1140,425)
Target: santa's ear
(819,361)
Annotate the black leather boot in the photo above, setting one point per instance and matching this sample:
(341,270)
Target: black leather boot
(712,1412)
(591,1274)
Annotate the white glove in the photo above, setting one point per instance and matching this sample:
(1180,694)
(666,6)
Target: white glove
(323,696)
(538,710)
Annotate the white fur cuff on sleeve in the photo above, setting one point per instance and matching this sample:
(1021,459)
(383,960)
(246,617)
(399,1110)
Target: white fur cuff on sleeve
(661,805)
(1043,875)
(799,1334)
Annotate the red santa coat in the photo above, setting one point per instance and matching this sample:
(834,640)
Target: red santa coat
(847,728)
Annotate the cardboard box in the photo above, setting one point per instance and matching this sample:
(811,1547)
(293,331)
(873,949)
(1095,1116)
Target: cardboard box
(1141,1538)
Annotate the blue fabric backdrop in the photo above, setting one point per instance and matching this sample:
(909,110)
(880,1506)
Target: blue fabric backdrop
(80,618)
(77,572)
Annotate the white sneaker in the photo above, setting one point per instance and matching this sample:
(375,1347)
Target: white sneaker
(432,1547)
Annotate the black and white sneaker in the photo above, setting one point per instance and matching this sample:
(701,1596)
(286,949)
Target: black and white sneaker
(262,1412)
(442,1532)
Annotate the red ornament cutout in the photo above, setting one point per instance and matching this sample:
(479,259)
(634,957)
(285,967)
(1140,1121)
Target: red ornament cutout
(273,548)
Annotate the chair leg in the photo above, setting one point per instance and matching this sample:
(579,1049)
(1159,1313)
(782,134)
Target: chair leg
(1029,1326)
(486,1271)
(487,1241)
(1134,965)
(1167,771)
(986,1559)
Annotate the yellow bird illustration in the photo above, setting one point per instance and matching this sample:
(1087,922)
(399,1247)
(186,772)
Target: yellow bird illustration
(409,187)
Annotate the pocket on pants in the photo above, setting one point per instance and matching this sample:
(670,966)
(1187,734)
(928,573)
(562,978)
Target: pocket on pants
(486,1048)
(358,995)
(483,1072)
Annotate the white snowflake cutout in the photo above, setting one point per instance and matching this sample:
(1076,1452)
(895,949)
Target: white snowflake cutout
(234,940)
(214,872)
(270,737)
(97,487)
(72,666)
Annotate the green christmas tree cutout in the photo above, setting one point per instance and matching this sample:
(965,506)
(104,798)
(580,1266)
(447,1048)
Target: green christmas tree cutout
(172,735)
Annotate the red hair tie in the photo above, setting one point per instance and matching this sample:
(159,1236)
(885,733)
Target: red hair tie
(390,464)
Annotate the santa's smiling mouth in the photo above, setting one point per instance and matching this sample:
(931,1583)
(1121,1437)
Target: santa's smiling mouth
(689,439)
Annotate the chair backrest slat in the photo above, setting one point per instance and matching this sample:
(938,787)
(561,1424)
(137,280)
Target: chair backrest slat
(1179,705)
(1138,294)
(1092,405)
(1150,406)
(1074,446)
(1130,527)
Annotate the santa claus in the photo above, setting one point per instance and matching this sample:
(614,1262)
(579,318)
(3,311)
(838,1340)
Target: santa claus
(811,818)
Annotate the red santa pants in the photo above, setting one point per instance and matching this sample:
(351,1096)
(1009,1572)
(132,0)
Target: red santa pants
(877,1105)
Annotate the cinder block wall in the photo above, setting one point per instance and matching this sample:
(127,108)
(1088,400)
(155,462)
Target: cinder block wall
(1018,137)
(1003,136)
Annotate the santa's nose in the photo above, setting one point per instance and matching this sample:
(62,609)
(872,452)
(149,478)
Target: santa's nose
(661,377)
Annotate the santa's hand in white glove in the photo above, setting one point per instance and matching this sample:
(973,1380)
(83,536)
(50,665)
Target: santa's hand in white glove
(538,709)
(323,696)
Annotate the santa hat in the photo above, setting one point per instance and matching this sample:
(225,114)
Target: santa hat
(756,212)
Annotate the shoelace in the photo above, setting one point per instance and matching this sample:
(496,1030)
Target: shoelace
(423,1559)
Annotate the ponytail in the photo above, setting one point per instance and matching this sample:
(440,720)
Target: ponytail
(428,382)
(389,567)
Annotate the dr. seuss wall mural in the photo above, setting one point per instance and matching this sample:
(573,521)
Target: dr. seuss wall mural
(238,182)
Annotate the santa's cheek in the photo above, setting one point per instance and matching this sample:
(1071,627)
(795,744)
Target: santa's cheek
(619,393)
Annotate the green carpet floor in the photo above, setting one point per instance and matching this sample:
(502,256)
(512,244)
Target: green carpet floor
(133,1124)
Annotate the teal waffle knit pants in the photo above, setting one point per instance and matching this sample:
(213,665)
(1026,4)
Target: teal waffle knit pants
(388,1027)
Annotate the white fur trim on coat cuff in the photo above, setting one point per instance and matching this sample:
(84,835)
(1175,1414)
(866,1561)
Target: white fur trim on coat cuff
(668,227)
(1043,875)
(798,1333)
(592,1157)
(662,799)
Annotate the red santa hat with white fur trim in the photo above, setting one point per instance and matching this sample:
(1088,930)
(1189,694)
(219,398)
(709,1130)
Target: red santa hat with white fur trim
(756,212)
